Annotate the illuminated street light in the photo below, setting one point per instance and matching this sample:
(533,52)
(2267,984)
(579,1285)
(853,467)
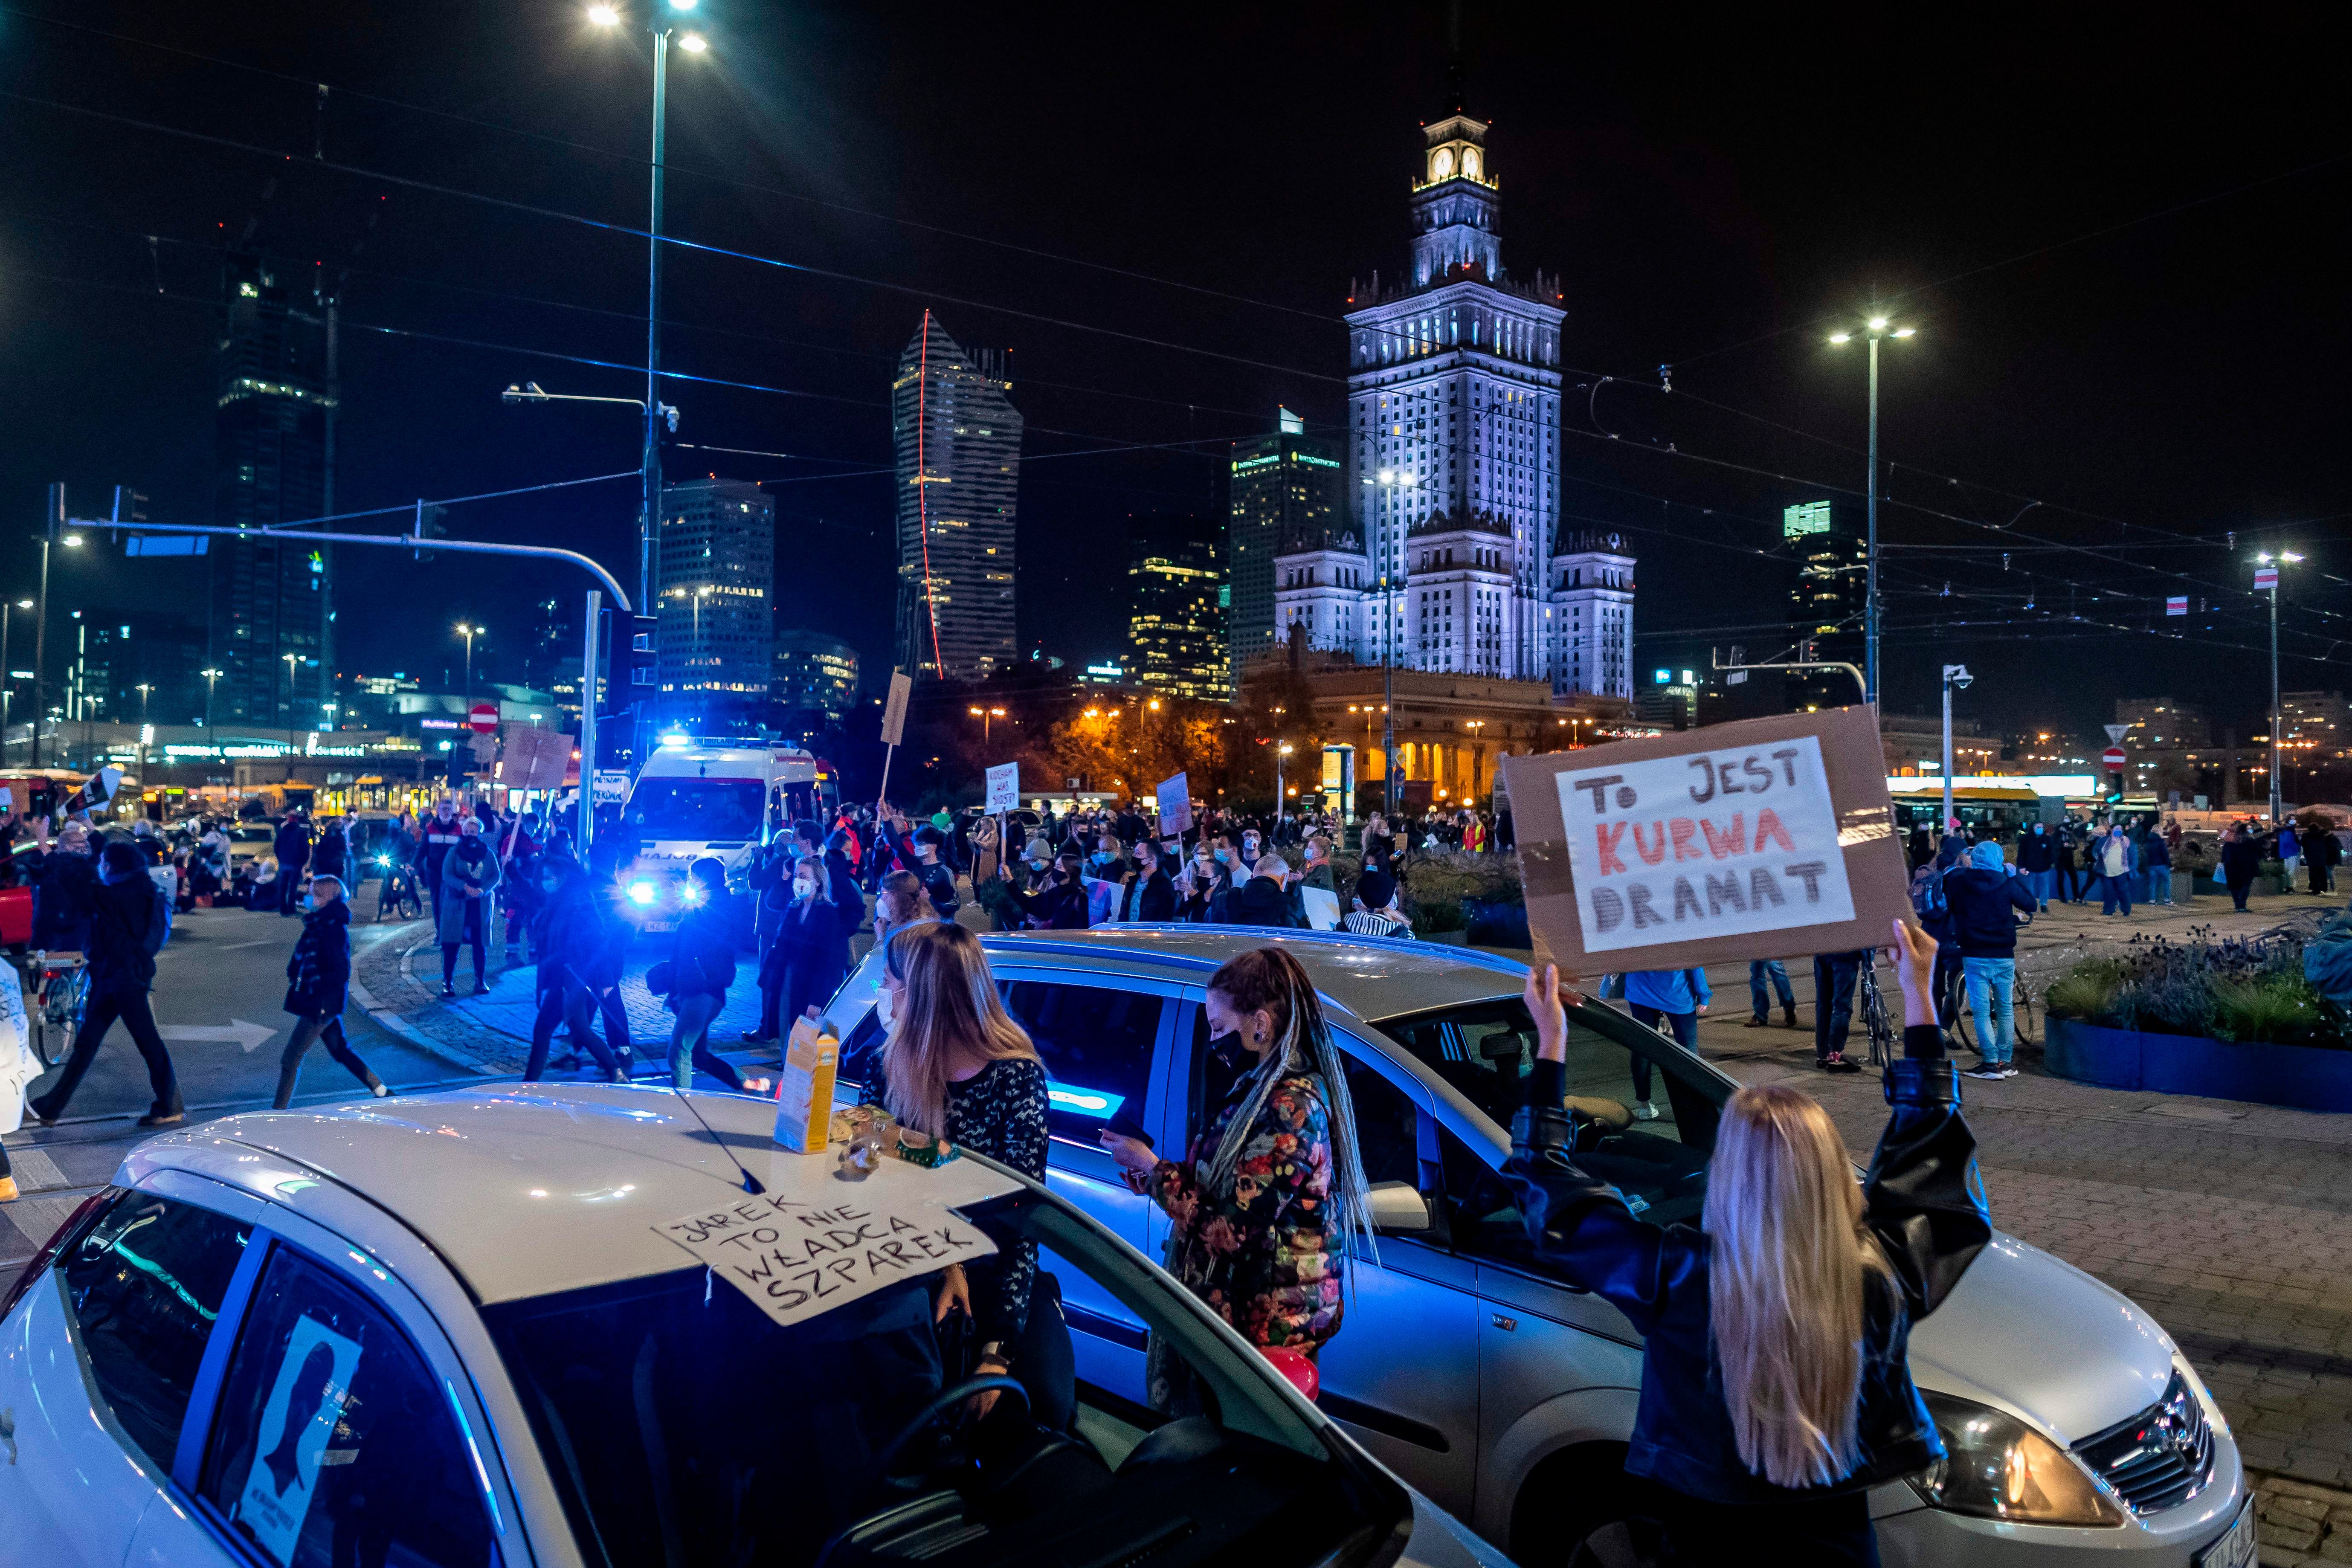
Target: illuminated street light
(603,15)
(1875,327)
(692,43)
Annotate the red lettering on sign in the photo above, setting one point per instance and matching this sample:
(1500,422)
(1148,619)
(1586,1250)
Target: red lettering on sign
(1685,834)
(1610,835)
(1651,854)
(1733,842)
(1768,828)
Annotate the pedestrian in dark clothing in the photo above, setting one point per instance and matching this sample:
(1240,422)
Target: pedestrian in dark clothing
(65,878)
(1835,975)
(128,919)
(571,939)
(770,881)
(1984,899)
(2037,861)
(2320,853)
(809,956)
(1061,903)
(332,857)
(701,968)
(293,852)
(1149,896)
(318,983)
(1265,899)
(470,873)
(2242,853)
(442,833)
(1776,1390)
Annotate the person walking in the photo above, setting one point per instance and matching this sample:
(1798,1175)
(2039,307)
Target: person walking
(442,834)
(2320,852)
(770,882)
(2290,853)
(2156,865)
(2069,870)
(1984,897)
(1268,1206)
(571,937)
(318,983)
(959,1067)
(469,874)
(1758,972)
(65,880)
(2241,855)
(809,958)
(332,855)
(701,968)
(1775,1388)
(2037,860)
(129,917)
(2113,860)
(1835,976)
(292,848)
(1676,996)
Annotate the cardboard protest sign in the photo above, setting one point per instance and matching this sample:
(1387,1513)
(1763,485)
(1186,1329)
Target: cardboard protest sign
(797,1258)
(1175,805)
(1769,839)
(535,758)
(1004,787)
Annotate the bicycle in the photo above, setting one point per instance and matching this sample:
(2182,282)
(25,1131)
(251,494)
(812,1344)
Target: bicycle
(1876,1021)
(398,893)
(2020,1019)
(60,992)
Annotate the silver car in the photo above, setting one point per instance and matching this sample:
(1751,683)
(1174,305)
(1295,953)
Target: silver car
(2075,1426)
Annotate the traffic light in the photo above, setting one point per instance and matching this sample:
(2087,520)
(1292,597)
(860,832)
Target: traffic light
(643,644)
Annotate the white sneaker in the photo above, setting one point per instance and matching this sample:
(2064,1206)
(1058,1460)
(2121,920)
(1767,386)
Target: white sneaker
(2009,1070)
(1645,1111)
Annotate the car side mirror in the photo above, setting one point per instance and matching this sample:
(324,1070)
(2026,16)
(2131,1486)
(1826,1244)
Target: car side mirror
(1399,1207)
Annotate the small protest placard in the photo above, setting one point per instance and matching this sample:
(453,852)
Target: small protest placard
(1175,805)
(797,1258)
(535,759)
(894,711)
(1004,787)
(1769,838)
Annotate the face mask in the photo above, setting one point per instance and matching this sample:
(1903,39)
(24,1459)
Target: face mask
(804,888)
(883,1008)
(1102,856)
(1227,1047)
(309,900)
(1224,857)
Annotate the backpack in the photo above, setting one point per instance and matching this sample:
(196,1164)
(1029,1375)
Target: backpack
(1927,901)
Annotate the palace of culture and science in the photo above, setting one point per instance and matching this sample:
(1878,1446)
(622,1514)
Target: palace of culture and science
(1453,463)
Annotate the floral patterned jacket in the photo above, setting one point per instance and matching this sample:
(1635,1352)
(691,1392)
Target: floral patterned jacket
(1260,1255)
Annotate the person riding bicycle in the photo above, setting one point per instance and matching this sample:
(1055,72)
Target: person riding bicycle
(1983,896)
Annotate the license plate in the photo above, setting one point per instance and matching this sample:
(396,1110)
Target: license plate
(2236,1547)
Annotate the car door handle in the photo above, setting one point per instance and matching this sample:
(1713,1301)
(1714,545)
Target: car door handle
(1508,1325)
(9,1431)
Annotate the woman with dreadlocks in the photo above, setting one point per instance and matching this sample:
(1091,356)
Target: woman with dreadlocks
(1268,1202)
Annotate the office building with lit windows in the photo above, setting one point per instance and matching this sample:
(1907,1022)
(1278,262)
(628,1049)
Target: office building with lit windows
(271,611)
(1827,603)
(958,439)
(815,676)
(714,582)
(1450,557)
(1285,487)
(1175,607)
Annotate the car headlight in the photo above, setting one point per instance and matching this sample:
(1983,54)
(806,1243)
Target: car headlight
(384,859)
(1996,1467)
(689,893)
(641,893)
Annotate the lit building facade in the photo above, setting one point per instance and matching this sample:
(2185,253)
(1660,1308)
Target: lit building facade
(1176,640)
(271,614)
(1827,604)
(1285,487)
(715,578)
(815,674)
(1453,448)
(957,438)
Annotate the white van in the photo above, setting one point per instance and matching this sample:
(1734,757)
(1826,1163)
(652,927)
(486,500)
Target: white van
(716,800)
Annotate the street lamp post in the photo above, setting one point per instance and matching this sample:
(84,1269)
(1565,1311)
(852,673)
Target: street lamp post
(986,716)
(1875,327)
(1281,749)
(1390,479)
(2267,575)
(466,630)
(8,677)
(212,679)
(1954,675)
(293,673)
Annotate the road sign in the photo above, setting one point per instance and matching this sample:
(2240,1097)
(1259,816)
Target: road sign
(2116,732)
(2113,757)
(2266,577)
(2178,604)
(1003,786)
(483,717)
(894,712)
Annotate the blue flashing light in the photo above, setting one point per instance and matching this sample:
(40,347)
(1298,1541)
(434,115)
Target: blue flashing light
(677,742)
(1099,1103)
(641,893)
(690,892)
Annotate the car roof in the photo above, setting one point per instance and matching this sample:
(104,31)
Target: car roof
(530,1189)
(1371,977)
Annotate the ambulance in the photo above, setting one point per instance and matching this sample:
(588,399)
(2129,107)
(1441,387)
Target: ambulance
(721,800)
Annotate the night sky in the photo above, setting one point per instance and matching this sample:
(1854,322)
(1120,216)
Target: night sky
(2122,241)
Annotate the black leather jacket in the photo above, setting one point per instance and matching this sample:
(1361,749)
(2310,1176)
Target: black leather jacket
(1924,1201)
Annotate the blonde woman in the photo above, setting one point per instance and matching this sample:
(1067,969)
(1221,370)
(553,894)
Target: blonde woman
(958,1066)
(1774,1387)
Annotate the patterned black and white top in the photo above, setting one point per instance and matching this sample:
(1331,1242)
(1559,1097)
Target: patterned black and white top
(1000,1112)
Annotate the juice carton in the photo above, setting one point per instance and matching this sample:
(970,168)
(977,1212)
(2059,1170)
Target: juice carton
(804,1086)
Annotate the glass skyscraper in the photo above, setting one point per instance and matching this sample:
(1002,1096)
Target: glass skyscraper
(1285,487)
(959,448)
(715,577)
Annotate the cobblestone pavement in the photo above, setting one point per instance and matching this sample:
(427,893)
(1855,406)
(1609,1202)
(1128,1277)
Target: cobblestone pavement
(2231,1223)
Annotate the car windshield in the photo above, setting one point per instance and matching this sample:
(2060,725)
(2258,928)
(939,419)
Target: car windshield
(253,835)
(1615,1067)
(697,809)
(683,1425)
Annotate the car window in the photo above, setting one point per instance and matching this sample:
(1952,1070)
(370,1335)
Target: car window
(144,1286)
(681,1424)
(335,1444)
(1097,1042)
(1387,1122)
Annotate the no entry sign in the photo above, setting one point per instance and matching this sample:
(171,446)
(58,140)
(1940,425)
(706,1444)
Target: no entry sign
(483,720)
(2113,757)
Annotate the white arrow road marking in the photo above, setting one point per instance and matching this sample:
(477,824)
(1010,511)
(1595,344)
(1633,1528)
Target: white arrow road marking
(248,1035)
